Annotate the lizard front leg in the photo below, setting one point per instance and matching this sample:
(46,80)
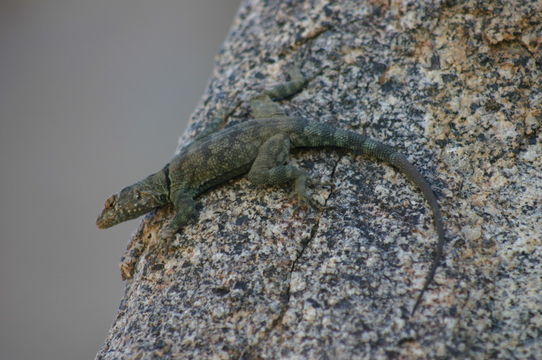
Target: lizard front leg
(271,168)
(185,212)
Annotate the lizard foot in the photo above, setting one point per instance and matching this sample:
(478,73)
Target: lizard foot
(303,200)
(320,184)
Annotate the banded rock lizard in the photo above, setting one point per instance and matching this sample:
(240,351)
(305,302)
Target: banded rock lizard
(259,148)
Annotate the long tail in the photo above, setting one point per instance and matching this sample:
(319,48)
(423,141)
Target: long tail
(390,155)
(318,134)
(398,160)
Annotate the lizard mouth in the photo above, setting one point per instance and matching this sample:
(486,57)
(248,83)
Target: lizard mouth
(107,217)
(102,223)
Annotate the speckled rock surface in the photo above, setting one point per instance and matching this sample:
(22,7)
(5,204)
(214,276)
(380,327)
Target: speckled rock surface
(454,85)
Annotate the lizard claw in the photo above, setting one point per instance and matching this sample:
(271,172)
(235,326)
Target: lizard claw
(321,184)
(304,200)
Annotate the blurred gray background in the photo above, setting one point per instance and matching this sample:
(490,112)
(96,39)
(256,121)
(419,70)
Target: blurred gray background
(93,96)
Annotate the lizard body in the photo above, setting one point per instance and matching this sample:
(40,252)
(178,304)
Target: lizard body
(260,148)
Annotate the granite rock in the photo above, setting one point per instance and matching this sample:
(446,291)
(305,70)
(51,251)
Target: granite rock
(456,86)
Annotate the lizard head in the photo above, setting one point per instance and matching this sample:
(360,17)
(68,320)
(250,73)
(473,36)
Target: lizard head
(128,204)
(133,201)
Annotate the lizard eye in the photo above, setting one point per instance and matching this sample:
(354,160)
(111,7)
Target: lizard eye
(137,195)
(110,201)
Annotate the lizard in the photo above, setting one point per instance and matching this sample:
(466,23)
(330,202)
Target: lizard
(260,148)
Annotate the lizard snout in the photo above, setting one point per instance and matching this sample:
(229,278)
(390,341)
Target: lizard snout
(107,217)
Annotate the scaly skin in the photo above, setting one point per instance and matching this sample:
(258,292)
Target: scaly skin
(260,148)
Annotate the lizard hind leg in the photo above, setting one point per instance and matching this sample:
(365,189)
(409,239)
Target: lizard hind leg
(286,89)
(264,105)
(271,168)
